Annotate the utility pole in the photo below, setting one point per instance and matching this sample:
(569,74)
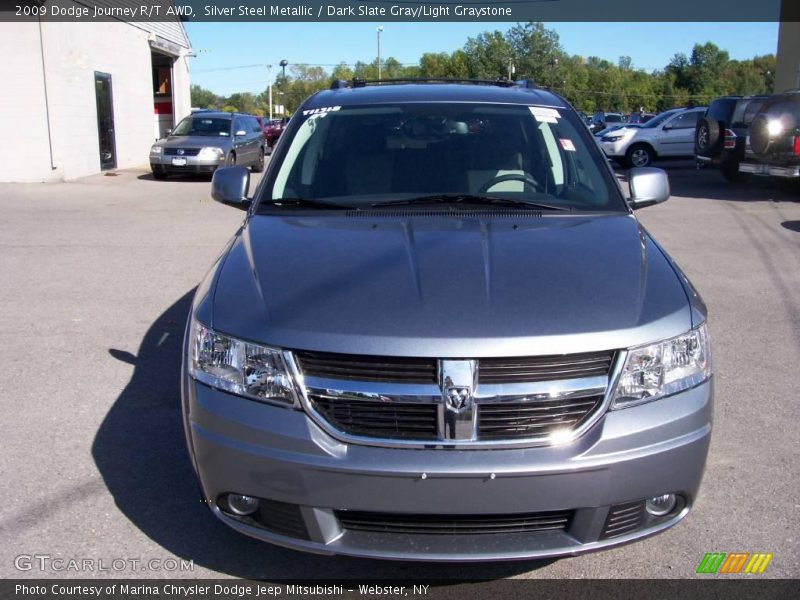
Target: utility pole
(283,64)
(379,31)
(269,86)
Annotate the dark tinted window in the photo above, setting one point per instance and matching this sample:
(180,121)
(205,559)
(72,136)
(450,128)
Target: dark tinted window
(722,109)
(787,112)
(752,109)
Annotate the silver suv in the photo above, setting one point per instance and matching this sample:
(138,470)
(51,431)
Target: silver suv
(442,334)
(206,140)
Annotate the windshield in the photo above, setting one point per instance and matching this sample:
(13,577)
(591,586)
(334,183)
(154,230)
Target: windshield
(656,121)
(363,155)
(204,126)
(613,118)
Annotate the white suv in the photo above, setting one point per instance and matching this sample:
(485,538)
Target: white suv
(669,135)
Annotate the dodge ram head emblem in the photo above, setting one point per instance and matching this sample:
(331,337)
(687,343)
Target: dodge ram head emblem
(458,398)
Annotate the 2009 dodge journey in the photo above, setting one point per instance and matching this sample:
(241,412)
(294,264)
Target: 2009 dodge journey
(442,334)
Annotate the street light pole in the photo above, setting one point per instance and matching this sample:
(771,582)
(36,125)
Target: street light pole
(379,30)
(269,79)
(283,64)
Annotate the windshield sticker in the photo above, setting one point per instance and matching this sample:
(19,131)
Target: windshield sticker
(545,115)
(567,145)
(324,109)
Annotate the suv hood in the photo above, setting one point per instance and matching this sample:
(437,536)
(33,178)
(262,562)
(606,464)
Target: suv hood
(451,286)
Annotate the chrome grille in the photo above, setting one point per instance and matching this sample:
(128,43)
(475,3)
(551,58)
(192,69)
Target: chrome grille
(511,420)
(453,524)
(449,403)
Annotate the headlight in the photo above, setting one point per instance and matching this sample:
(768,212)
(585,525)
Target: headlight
(239,367)
(664,368)
(612,138)
(155,150)
(210,154)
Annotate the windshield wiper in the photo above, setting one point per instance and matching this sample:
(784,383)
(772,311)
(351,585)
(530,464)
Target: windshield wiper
(468,199)
(306,203)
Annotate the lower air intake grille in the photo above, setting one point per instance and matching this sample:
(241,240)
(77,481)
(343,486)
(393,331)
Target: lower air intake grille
(513,420)
(623,518)
(453,524)
(282,518)
(394,420)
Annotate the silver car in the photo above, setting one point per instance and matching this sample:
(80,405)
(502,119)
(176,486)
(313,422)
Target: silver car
(442,334)
(206,140)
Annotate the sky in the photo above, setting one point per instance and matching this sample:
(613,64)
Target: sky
(233,57)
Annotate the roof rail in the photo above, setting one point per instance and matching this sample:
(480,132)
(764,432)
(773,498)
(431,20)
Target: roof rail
(338,84)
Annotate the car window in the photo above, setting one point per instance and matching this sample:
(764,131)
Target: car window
(203,126)
(785,112)
(686,120)
(613,119)
(366,154)
(722,109)
(660,119)
(254,125)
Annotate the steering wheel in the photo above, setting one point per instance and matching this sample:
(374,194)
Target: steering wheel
(523,177)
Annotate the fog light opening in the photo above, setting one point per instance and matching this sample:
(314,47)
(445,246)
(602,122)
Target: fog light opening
(242,505)
(660,506)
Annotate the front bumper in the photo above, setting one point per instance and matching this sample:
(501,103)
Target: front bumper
(770,170)
(183,164)
(242,446)
(615,149)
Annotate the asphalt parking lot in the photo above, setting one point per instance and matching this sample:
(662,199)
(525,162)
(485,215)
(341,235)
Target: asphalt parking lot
(97,278)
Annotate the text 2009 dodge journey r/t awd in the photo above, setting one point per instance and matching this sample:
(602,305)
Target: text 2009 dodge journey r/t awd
(442,334)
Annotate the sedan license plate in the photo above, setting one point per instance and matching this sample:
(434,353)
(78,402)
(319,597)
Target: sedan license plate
(178,162)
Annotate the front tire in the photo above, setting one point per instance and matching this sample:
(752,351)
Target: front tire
(158,173)
(639,155)
(230,161)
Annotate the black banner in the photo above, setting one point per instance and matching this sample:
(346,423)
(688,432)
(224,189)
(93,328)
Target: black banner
(735,588)
(401,10)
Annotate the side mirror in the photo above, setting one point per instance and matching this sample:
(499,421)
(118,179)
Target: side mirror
(648,186)
(240,133)
(168,132)
(230,186)
(667,127)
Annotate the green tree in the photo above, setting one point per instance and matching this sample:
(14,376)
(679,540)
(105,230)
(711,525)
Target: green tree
(203,98)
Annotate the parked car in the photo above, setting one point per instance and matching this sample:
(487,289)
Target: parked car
(640,118)
(773,140)
(272,130)
(601,120)
(669,135)
(721,133)
(442,334)
(206,140)
(610,128)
